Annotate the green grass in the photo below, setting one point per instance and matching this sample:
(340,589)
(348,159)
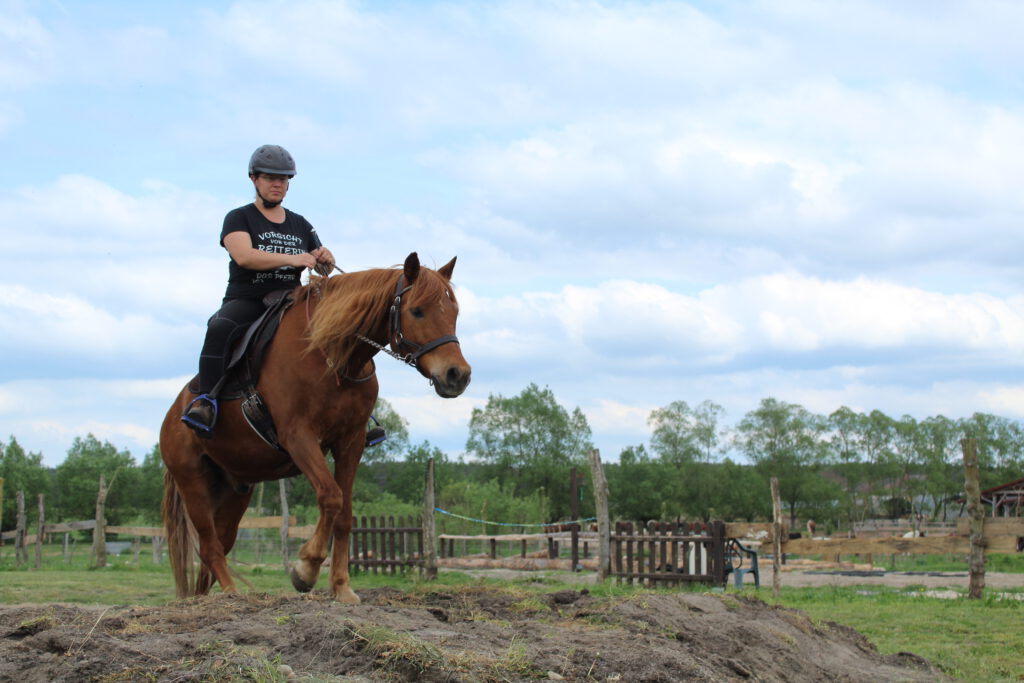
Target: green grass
(974,640)
(994,562)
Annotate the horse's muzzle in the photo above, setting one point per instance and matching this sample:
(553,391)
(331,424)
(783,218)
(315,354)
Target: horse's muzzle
(452,382)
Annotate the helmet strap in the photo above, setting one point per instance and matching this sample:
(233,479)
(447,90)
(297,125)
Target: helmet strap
(267,204)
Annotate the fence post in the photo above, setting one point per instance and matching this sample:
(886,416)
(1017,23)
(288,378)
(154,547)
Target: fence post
(574,506)
(603,522)
(99,534)
(718,536)
(976,513)
(284,523)
(776,539)
(429,528)
(40,533)
(20,554)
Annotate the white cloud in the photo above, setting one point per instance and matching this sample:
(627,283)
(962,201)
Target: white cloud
(620,324)
(26,47)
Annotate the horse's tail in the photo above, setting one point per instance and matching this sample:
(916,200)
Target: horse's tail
(181,539)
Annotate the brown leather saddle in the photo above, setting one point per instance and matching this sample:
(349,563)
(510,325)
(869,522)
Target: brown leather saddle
(243,368)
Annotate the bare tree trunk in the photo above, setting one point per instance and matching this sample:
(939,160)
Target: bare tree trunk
(259,532)
(20,554)
(976,513)
(776,540)
(429,526)
(99,534)
(40,533)
(604,555)
(284,523)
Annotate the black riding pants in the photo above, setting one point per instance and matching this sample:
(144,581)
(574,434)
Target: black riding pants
(222,330)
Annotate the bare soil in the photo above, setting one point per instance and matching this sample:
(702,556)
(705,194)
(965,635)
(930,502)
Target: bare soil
(479,633)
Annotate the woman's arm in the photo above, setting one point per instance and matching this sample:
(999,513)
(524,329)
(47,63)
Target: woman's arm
(239,245)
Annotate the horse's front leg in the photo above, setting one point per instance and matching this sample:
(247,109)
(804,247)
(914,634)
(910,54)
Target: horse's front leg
(346,462)
(310,460)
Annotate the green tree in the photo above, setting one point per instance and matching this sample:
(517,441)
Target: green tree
(637,486)
(938,459)
(78,477)
(405,479)
(785,440)
(532,441)
(24,472)
(691,439)
(148,493)
(1000,447)
(848,449)
(489,501)
(397,428)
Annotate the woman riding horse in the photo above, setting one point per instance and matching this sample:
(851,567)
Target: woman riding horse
(318,380)
(269,247)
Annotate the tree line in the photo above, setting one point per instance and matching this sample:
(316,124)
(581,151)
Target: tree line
(838,469)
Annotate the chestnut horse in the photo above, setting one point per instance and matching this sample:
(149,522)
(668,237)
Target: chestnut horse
(319,384)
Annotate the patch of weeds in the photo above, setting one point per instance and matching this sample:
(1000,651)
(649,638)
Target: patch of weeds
(402,651)
(784,637)
(284,619)
(223,661)
(131,676)
(515,661)
(484,618)
(34,625)
(531,605)
(798,621)
(136,626)
(730,602)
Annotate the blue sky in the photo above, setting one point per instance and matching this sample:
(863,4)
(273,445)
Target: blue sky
(650,201)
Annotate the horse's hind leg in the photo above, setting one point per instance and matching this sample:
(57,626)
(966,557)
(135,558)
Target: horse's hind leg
(199,484)
(230,507)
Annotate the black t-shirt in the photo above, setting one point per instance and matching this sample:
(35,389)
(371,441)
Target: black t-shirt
(294,236)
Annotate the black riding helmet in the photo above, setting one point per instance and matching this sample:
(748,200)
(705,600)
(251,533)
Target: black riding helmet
(273,159)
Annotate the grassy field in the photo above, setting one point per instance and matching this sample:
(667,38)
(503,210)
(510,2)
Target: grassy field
(972,640)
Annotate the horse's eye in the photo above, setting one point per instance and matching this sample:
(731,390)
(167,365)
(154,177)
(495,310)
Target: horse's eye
(417,312)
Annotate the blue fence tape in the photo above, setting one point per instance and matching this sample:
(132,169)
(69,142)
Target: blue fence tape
(484,521)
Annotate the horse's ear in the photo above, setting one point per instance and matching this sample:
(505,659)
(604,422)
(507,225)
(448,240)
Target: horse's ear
(412,268)
(446,269)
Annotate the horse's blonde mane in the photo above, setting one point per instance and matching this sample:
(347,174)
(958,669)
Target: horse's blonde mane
(357,304)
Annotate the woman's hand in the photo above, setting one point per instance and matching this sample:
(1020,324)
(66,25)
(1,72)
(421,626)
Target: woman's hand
(323,255)
(305,260)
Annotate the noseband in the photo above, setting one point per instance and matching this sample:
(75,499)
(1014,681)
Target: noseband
(412,351)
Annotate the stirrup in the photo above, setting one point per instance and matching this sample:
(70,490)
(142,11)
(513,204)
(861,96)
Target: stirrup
(376,435)
(202,429)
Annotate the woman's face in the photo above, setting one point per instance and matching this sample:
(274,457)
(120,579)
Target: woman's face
(271,187)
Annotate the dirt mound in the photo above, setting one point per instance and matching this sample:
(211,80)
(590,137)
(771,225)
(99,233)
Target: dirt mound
(470,634)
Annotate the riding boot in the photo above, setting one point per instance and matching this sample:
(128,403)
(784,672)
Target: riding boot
(375,436)
(201,415)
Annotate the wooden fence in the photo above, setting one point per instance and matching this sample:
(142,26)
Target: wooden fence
(669,553)
(378,544)
(381,544)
